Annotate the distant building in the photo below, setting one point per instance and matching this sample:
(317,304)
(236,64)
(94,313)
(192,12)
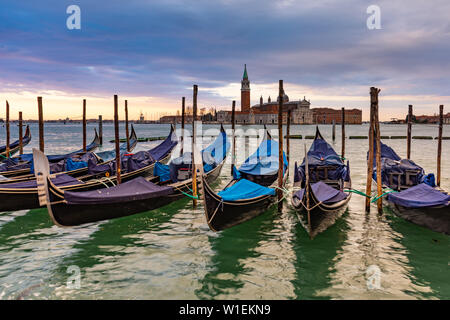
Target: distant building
(328,115)
(267,113)
(431,119)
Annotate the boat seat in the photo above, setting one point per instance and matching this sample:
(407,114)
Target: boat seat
(315,171)
(409,176)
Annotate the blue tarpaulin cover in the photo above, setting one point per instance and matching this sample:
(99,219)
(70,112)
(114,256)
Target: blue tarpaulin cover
(162,171)
(322,154)
(389,166)
(419,196)
(60,180)
(136,189)
(245,189)
(323,193)
(139,160)
(392,163)
(59,157)
(212,156)
(264,161)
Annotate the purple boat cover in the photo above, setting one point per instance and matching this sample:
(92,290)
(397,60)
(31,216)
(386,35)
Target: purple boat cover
(60,180)
(420,196)
(133,190)
(322,154)
(401,166)
(165,147)
(323,193)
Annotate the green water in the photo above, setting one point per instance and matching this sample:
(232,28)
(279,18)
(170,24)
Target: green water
(171,254)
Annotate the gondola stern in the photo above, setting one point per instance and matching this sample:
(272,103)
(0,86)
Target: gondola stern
(42,173)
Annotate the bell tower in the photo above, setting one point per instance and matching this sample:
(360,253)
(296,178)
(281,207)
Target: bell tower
(245,92)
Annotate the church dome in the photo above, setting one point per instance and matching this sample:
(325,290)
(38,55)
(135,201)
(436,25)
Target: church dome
(285,98)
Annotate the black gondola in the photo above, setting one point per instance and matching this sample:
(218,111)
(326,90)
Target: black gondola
(19,167)
(14,147)
(24,195)
(138,195)
(251,191)
(322,180)
(411,193)
(103,157)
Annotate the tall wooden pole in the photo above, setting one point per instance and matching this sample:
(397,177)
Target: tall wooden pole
(334,130)
(117,137)
(288,135)
(233,139)
(41,124)
(378,153)
(100,128)
(441,121)
(194,140)
(343,133)
(280,145)
(7,129)
(126,126)
(20,133)
(84,125)
(408,144)
(183,112)
(370,157)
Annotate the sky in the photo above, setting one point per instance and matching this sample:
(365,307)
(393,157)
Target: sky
(152,52)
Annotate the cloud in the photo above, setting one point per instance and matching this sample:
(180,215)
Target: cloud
(159,49)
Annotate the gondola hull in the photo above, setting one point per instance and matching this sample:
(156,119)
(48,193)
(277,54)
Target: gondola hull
(21,199)
(434,218)
(221,215)
(73,215)
(25,174)
(321,216)
(15,145)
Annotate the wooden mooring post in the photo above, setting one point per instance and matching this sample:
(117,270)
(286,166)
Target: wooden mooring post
(183,115)
(334,130)
(280,145)
(100,128)
(343,133)
(439,154)
(126,126)
(84,125)
(408,143)
(7,129)
(194,140)
(117,137)
(20,133)
(233,138)
(378,149)
(371,149)
(288,135)
(41,124)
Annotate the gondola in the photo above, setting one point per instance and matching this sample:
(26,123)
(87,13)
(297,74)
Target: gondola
(251,191)
(411,193)
(321,185)
(24,194)
(14,147)
(62,164)
(68,208)
(21,165)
